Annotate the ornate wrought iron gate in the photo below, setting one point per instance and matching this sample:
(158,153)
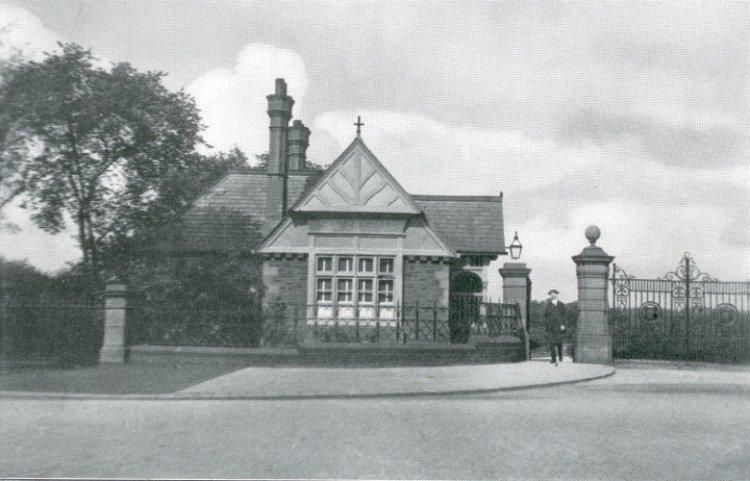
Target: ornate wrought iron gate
(685,314)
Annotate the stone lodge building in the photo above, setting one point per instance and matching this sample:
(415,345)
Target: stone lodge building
(349,245)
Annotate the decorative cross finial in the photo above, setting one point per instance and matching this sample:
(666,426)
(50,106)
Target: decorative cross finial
(359,125)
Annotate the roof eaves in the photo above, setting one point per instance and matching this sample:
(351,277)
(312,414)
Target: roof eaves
(458,198)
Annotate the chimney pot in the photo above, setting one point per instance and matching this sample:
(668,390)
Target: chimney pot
(279,111)
(299,137)
(280,86)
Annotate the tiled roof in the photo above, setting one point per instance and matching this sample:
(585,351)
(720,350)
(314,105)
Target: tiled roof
(231,215)
(298,185)
(470,224)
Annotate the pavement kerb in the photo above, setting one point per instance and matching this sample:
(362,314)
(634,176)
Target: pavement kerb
(177,396)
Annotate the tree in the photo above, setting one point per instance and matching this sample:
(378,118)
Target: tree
(98,147)
(161,219)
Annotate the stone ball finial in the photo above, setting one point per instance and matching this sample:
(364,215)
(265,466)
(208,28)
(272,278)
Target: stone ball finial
(592,234)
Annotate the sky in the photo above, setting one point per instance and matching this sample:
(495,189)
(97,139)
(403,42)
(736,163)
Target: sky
(631,116)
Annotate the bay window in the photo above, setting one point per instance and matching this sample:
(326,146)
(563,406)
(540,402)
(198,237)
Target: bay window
(349,287)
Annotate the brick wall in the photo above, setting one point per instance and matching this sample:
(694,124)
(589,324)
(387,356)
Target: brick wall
(285,289)
(286,280)
(426,283)
(274,196)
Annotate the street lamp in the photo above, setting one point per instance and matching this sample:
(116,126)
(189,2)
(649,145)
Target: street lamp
(515,248)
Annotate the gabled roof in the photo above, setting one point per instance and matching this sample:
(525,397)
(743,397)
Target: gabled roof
(357,182)
(469,224)
(231,215)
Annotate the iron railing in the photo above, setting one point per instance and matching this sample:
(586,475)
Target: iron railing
(685,314)
(353,323)
(50,333)
(65,333)
(175,325)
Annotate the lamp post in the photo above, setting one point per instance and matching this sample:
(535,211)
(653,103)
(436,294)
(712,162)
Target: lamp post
(515,248)
(517,288)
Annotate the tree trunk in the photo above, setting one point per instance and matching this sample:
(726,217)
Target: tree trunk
(82,240)
(89,251)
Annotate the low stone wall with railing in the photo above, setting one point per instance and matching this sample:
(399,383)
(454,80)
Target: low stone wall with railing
(460,323)
(326,334)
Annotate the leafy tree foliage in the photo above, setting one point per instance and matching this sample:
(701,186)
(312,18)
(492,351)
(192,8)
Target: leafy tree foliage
(20,281)
(107,149)
(160,221)
(114,152)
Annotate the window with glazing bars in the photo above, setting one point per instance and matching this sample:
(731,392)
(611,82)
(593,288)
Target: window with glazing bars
(344,279)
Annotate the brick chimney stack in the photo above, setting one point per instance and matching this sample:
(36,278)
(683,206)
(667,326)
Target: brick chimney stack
(298,136)
(280,111)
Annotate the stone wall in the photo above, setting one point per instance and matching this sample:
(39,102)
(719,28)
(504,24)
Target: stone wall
(426,283)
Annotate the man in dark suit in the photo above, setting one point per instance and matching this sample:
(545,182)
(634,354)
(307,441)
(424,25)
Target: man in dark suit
(554,324)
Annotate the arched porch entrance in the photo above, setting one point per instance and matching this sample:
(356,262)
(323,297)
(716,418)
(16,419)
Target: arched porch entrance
(465,302)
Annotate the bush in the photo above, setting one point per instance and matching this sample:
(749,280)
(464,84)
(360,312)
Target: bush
(51,319)
(201,300)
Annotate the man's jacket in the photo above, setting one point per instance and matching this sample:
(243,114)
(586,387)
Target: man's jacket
(554,317)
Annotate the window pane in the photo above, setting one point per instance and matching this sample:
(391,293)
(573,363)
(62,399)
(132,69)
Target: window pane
(324,291)
(325,264)
(364,290)
(366,265)
(345,291)
(346,264)
(385,290)
(386,265)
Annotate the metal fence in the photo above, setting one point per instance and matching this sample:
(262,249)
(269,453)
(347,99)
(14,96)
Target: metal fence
(59,333)
(685,314)
(329,322)
(288,325)
(51,333)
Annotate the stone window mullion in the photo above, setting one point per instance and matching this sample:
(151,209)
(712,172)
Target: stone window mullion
(382,269)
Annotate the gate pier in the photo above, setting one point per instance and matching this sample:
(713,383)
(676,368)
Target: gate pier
(113,347)
(593,342)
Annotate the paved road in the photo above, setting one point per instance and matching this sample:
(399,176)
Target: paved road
(638,424)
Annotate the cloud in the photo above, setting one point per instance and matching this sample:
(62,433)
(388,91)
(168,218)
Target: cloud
(21,32)
(233,100)
(714,147)
(410,144)
(673,75)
